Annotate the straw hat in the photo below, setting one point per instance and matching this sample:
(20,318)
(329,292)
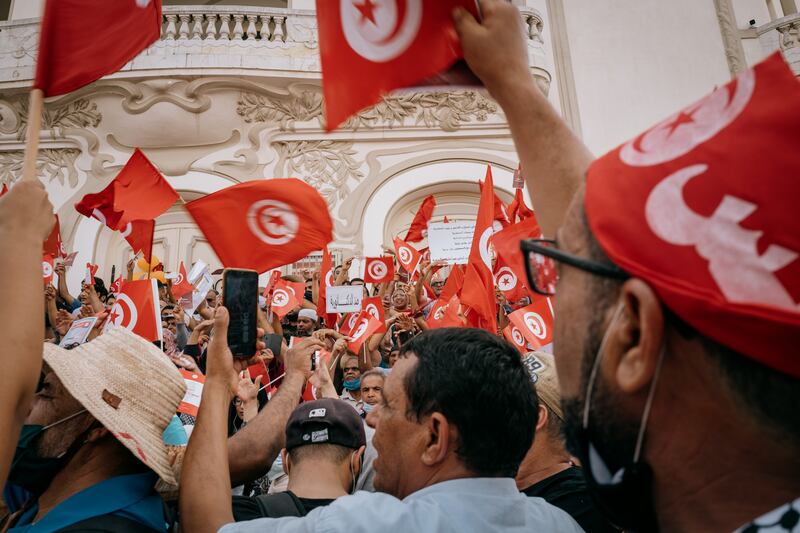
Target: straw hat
(542,369)
(128,385)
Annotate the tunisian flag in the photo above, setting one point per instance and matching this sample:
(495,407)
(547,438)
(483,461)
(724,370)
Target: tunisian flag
(139,192)
(83,40)
(366,325)
(518,209)
(283,299)
(419,226)
(374,306)
(510,267)
(137,309)
(369,48)
(408,256)
(53,245)
(264,224)
(500,211)
(478,290)
(378,269)
(47,269)
(535,322)
(181,286)
(444,314)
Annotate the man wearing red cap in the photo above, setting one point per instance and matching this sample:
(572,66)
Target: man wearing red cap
(678,273)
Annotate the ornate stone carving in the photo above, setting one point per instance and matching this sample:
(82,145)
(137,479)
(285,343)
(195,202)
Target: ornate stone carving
(734,52)
(54,163)
(80,113)
(326,165)
(790,34)
(446,110)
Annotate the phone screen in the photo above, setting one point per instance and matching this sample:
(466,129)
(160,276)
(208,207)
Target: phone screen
(240,297)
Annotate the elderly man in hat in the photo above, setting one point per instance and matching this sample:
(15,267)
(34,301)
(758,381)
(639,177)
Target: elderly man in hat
(92,451)
(675,276)
(306,322)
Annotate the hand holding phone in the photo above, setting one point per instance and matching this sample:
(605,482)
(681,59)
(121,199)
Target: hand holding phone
(240,298)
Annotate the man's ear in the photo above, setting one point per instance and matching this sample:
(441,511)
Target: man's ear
(356,460)
(286,461)
(439,439)
(637,338)
(543,417)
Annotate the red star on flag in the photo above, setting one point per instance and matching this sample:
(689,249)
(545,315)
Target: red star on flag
(681,119)
(366,9)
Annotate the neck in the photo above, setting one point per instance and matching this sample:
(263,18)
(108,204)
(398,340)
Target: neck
(540,465)
(356,394)
(316,480)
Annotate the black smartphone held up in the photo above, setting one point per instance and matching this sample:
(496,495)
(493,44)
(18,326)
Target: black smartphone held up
(240,298)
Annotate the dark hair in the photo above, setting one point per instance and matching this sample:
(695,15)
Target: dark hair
(333,453)
(100,287)
(477,381)
(357,279)
(763,392)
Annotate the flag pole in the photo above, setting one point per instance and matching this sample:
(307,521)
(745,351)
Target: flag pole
(35,106)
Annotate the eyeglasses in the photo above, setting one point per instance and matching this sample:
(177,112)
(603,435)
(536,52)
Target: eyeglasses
(541,256)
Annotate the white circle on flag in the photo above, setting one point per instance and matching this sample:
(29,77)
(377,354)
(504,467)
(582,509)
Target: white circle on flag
(380,30)
(123,313)
(280,298)
(506,279)
(377,270)
(483,246)
(372,309)
(47,269)
(352,322)
(362,327)
(273,222)
(329,278)
(517,337)
(178,279)
(535,323)
(126,230)
(439,313)
(405,255)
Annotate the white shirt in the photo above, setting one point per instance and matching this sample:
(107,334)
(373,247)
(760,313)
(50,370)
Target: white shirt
(456,506)
(356,404)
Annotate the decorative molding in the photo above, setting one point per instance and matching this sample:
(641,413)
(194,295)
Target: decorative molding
(731,40)
(326,165)
(54,163)
(445,110)
(80,113)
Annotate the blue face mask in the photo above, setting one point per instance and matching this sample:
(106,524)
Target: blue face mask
(368,408)
(352,384)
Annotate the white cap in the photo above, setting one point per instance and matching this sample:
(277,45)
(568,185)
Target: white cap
(308,313)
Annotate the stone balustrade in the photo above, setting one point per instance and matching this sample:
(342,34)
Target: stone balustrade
(783,34)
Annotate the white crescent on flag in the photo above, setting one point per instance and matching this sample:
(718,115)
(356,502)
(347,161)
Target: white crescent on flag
(380,30)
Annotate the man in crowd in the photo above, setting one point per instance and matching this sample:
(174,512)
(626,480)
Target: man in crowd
(547,470)
(351,382)
(441,445)
(92,449)
(677,342)
(306,322)
(325,443)
(371,390)
(26,219)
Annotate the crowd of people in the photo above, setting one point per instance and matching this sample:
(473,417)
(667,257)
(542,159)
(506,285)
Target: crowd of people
(669,401)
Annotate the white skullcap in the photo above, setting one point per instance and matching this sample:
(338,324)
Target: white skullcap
(308,313)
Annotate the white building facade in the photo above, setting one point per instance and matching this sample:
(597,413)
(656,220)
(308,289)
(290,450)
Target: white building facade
(231,93)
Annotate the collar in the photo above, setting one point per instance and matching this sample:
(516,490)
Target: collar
(788,513)
(500,487)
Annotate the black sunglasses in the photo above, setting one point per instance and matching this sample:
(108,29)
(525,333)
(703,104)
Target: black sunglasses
(540,265)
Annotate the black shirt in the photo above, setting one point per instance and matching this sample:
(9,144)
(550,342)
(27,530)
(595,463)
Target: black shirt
(567,491)
(248,508)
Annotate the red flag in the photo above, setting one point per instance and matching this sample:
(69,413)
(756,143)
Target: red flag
(325,281)
(283,299)
(378,269)
(137,309)
(366,325)
(53,245)
(419,226)
(374,306)
(83,40)
(506,244)
(47,269)
(515,337)
(139,192)
(267,223)
(478,290)
(181,286)
(309,393)
(518,209)
(407,255)
(369,48)
(454,283)
(349,323)
(298,290)
(445,220)
(444,314)
(91,270)
(3,191)
(116,286)
(139,234)
(535,322)
(500,211)
(509,281)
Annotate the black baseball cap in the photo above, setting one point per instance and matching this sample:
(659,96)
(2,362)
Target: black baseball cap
(325,421)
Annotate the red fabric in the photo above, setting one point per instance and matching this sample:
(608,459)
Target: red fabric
(298,290)
(535,322)
(325,280)
(181,286)
(3,191)
(139,234)
(510,257)
(515,337)
(137,309)
(53,245)
(116,286)
(369,48)
(517,208)
(283,299)
(478,290)
(509,281)
(263,224)
(445,220)
(682,208)
(500,210)
(274,276)
(454,283)
(47,269)
(419,226)
(366,325)
(91,271)
(378,269)
(349,323)
(444,314)
(374,306)
(83,40)
(139,192)
(407,255)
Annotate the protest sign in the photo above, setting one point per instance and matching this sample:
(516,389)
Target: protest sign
(194,391)
(78,332)
(450,242)
(344,299)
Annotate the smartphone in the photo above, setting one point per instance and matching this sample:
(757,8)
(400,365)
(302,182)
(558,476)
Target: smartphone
(314,360)
(240,298)
(273,342)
